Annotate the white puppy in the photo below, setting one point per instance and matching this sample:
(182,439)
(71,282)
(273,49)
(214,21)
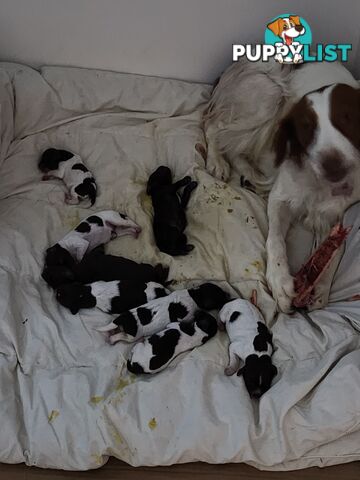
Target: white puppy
(250,344)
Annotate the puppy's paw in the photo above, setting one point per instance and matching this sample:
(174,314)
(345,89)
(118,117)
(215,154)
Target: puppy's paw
(281,284)
(229,371)
(218,167)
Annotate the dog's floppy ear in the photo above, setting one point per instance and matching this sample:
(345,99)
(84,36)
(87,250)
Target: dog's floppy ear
(295,19)
(276,26)
(283,136)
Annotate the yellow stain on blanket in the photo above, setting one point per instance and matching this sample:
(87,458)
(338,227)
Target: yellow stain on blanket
(53,414)
(72,219)
(152,423)
(95,400)
(258,265)
(97,458)
(125,382)
(116,436)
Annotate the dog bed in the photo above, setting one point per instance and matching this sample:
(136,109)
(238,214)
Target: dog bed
(67,400)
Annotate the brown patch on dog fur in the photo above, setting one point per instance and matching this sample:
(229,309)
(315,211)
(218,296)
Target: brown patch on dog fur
(333,166)
(296,132)
(345,112)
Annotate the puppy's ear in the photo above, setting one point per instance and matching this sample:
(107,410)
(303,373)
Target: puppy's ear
(274,370)
(275,26)
(284,135)
(295,19)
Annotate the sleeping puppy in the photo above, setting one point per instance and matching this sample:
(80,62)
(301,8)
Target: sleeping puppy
(155,315)
(156,352)
(169,211)
(110,297)
(250,343)
(69,168)
(96,266)
(89,234)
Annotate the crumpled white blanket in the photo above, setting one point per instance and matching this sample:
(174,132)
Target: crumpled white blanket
(67,401)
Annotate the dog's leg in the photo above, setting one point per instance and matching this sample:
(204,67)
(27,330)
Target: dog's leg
(215,162)
(234,363)
(185,197)
(280,282)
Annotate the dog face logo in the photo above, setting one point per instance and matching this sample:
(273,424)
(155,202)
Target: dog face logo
(290,32)
(287,28)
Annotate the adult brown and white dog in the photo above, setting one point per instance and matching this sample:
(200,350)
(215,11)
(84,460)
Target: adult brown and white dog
(293,132)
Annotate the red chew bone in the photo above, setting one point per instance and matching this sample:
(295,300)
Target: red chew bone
(310,273)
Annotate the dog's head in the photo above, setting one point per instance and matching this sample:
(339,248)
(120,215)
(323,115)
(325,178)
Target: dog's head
(51,158)
(258,373)
(57,275)
(209,296)
(59,256)
(287,28)
(75,296)
(125,226)
(322,133)
(160,178)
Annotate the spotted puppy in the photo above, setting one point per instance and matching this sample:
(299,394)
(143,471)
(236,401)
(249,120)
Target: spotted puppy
(69,168)
(155,315)
(111,297)
(90,233)
(156,352)
(250,344)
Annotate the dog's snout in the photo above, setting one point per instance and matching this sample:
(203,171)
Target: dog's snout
(334,167)
(299,28)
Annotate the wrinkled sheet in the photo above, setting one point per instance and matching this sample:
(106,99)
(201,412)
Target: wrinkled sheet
(67,399)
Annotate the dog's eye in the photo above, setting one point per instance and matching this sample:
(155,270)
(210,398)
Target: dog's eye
(285,27)
(292,24)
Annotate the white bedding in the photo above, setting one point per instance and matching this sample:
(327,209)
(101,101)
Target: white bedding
(67,401)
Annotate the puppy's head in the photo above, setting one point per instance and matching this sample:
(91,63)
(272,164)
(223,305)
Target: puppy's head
(321,133)
(209,296)
(126,226)
(51,158)
(258,373)
(207,323)
(57,275)
(287,28)
(160,178)
(59,256)
(75,296)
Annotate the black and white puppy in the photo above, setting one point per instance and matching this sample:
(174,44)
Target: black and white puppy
(169,220)
(90,233)
(110,297)
(250,344)
(69,168)
(152,317)
(156,352)
(96,266)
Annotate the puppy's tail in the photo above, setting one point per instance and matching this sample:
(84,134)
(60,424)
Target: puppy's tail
(161,273)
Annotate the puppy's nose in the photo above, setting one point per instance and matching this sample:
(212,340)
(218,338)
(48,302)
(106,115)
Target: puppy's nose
(299,28)
(256,394)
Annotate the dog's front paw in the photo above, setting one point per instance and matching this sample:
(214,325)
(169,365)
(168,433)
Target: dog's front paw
(218,167)
(279,58)
(297,58)
(281,284)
